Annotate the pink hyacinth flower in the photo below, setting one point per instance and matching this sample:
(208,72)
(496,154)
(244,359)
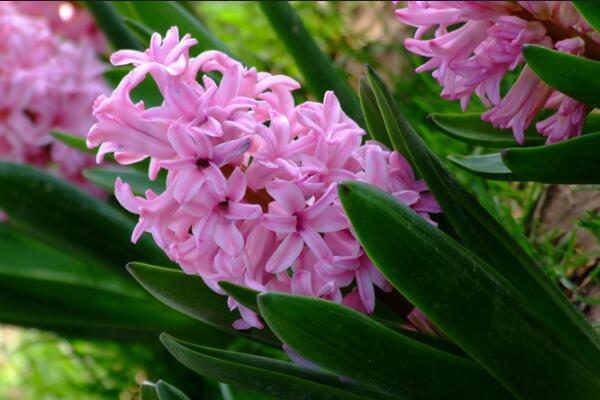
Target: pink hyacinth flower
(251,181)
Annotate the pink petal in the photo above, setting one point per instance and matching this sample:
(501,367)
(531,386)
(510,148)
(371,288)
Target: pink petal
(280,223)
(287,195)
(228,238)
(286,254)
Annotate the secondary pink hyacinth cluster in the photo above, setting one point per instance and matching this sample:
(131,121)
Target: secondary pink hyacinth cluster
(47,83)
(251,181)
(476,43)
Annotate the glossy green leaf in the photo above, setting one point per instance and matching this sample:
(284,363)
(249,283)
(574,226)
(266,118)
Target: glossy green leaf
(484,236)
(159,16)
(147,91)
(466,298)
(373,120)
(169,392)
(488,166)
(148,391)
(45,288)
(189,295)
(574,161)
(349,343)
(248,298)
(141,31)
(469,128)
(36,263)
(265,375)
(64,216)
(243,295)
(105,177)
(75,142)
(575,76)
(590,10)
(318,71)
(111,23)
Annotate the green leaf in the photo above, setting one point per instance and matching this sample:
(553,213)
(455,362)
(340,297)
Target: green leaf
(590,10)
(320,74)
(105,178)
(109,20)
(36,263)
(189,295)
(469,128)
(64,216)
(141,31)
(466,298)
(483,235)
(368,104)
(146,91)
(575,76)
(349,343)
(488,166)
(148,391)
(169,392)
(73,141)
(248,298)
(243,295)
(159,16)
(265,375)
(574,161)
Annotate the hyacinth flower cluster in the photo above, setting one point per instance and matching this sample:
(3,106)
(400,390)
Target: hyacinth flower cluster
(474,44)
(251,176)
(48,82)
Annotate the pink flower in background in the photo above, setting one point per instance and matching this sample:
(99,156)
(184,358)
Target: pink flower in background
(475,57)
(67,19)
(47,83)
(251,187)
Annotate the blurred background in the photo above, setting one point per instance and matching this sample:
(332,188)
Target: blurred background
(559,225)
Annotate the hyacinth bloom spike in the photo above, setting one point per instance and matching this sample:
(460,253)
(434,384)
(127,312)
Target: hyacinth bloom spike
(474,58)
(251,189)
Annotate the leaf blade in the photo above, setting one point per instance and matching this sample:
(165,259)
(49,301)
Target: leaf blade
(268,376)
(583,85)
(573,161)
(189,295)
(483,235)
(466,298)
(320,75)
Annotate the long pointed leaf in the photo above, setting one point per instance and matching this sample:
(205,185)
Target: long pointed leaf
(111,23)
(139,182)
(320,75)
(470,128)
(248,298)
(264,375)
(189,295)
(483,235)
(590,11)
(488,166)
(166,391)
(62,215)
(574,161)
(575,76)
(159,16)
(352,345)
(466,298)
(373,120)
